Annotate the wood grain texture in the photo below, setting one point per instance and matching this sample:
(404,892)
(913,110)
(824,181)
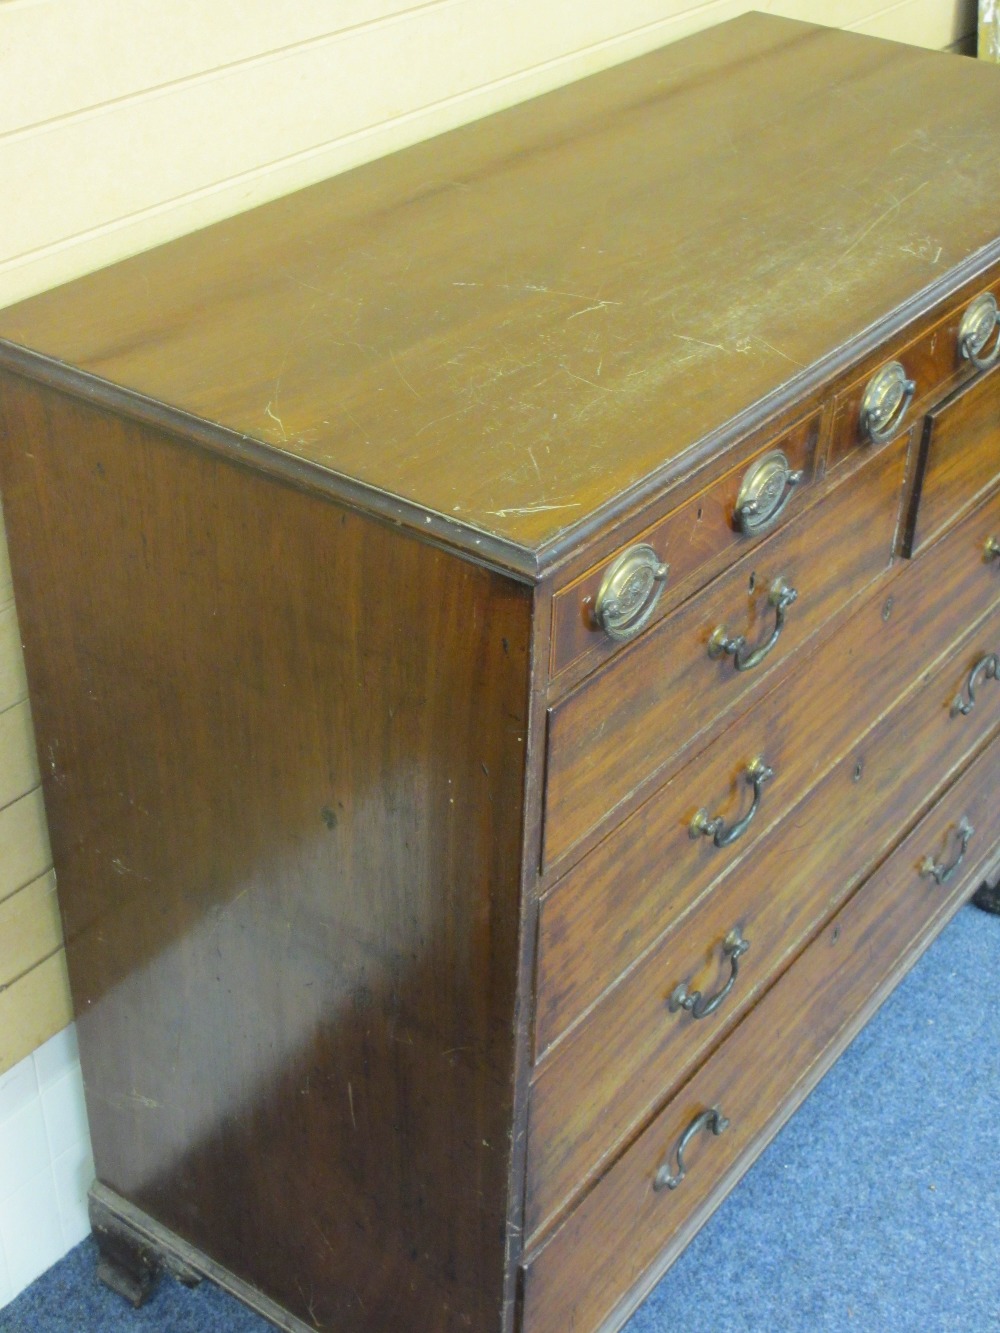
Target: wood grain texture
(647,874)
(959,459)
(585,1102)
(445,363)
(574,1280)
(624,729)
(289,501)
(304,99)
(87,85)
(286,817)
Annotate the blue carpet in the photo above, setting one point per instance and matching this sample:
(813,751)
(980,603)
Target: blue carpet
(877,1208)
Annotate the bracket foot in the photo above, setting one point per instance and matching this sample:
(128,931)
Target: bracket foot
(987,898)
(127,1263)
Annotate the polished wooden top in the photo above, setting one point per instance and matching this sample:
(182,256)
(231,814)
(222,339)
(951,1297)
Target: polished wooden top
(513,325)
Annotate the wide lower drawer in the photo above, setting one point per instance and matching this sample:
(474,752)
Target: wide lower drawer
(959,459)
(609,1073)
(581,1276)
(621,728)
(602,916)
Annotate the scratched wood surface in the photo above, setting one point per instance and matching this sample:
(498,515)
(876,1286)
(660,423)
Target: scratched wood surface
(513,324)
(573,1280)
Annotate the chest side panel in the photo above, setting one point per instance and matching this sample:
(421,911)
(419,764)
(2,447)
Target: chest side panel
(283,752)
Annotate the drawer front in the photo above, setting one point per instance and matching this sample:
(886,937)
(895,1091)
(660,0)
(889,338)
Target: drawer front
(601,916)
(934,363)
(620,729)
(694,541)
(959,460)
(577,1278)
(610,1071)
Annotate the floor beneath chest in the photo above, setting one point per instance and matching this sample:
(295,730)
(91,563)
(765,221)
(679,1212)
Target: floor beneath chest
(876,1208)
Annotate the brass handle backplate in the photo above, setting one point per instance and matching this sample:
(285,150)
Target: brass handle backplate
(991,551)
(745,658)
(712,1120)
(980,321)
(703,825)
(884,404)
(938,870)
(734,946)
(988,668)
(629,592)
(764,493)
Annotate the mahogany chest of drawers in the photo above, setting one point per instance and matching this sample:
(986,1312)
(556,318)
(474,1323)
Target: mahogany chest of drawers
(512,635)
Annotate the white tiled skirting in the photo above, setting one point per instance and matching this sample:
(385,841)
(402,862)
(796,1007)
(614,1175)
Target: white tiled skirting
(46,1167)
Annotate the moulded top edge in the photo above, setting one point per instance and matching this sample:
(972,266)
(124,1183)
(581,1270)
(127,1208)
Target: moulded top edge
(506,333)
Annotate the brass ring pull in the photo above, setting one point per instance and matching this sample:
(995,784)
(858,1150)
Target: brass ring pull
(979,322)
(989,668)
(885,401)
(712,1119)
(764,493)
(991,551)
(942,873)
(629,592)
(757,773)
(781,596)
(734,946)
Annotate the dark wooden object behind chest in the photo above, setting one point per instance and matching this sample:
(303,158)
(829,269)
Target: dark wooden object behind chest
(512,636)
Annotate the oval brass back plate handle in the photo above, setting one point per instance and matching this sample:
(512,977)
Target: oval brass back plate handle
(991,551)
(734,946)
(978,325)
(713,1120)
(988,668)
(629,592)
(757,773)
(745,658)
(764,493)
(938,870)
(884,404)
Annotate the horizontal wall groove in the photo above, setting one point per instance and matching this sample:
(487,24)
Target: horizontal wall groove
(412,118)
(959,28)
(35,875)
(5,986)
(169,86)
(36,787)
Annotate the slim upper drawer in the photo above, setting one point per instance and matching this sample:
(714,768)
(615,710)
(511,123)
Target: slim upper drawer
(959,459)
(893,388)
(575,1278)
(596,614)
(618,731)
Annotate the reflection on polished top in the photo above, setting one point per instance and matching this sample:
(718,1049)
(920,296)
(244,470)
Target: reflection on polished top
(516,325)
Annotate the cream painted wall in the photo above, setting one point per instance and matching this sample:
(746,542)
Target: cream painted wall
(124,123)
